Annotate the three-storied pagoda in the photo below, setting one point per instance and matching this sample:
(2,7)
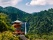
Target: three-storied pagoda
(17,24)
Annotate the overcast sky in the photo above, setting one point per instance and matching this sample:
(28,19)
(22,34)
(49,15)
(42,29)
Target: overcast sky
(29,6)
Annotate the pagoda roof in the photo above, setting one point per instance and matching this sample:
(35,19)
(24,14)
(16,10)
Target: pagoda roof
(18,21)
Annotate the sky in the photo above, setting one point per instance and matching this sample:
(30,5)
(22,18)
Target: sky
(29,6)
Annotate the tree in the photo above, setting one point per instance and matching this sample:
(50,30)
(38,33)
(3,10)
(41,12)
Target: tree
(5,23)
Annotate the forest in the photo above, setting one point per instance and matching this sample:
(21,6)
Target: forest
(39,24)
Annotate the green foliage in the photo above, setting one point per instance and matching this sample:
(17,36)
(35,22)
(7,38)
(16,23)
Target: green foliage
(38,37)
(39,22)
(7,35)
(5,18)
(43,22)
(3,26)
(14,14)
(5,23)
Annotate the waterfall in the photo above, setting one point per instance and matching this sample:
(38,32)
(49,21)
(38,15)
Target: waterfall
(25,28)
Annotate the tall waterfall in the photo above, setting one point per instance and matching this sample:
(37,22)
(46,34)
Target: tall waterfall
(25,28)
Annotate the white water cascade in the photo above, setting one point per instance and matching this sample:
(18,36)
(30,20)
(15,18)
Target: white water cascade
(25,28)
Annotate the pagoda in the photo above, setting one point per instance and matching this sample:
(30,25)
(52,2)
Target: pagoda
(17,25)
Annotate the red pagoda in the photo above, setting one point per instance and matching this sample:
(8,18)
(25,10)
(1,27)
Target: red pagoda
(17,24)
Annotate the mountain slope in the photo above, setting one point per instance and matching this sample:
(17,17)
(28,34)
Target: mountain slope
(38,22)
(15,14)
(43,22)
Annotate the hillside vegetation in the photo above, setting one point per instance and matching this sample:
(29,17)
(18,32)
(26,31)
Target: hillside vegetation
(39,24)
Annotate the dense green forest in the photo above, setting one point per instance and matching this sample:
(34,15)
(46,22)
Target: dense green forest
(40,23)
